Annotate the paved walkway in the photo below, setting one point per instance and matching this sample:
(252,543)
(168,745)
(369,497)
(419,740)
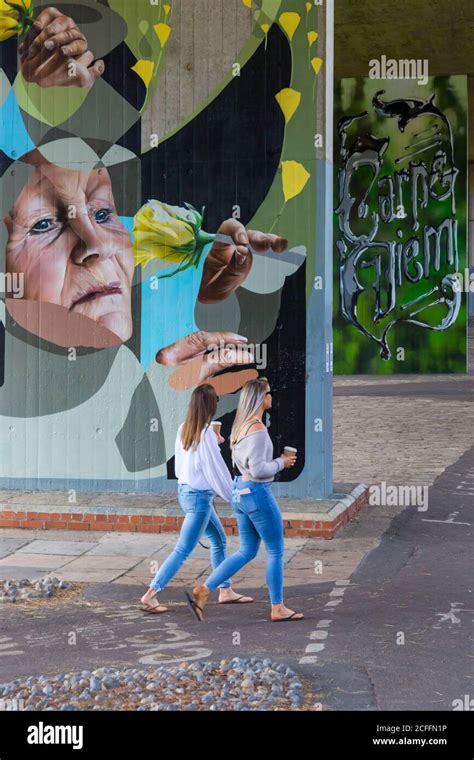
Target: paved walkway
(126,558)
(403,430)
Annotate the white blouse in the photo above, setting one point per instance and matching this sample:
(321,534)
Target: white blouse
(203,468)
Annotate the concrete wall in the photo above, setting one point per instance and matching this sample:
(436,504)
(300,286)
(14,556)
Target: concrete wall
(214,103)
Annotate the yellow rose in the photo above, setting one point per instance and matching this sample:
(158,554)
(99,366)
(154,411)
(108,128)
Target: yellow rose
(15,17)
(169,233)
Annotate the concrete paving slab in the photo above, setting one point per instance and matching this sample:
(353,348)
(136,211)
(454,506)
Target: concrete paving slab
(9,545)
(13,572)
(124,548)
(22,559)
(49,498)
(88,576)
(44,546)
(108,562)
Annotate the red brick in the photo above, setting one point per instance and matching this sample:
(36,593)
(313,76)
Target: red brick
(10,523)
(78,526)
(122,527)
(96,526)
(12,515)
(32,524)
(159,519)
(31,515)
(136,519)
(149,528)
(169,528)
(77,517)
(171,520)
(118,518)
(55,524)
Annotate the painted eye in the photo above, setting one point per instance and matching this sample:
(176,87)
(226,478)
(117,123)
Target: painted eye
(102,215)
(42,225)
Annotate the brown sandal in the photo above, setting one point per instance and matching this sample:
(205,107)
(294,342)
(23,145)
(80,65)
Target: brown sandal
(195,607)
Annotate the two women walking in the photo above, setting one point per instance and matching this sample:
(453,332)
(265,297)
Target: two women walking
(202,472)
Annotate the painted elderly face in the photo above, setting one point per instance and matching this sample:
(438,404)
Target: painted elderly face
(64,236)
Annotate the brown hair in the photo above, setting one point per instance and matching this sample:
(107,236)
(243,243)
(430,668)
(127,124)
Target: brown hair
(202,408)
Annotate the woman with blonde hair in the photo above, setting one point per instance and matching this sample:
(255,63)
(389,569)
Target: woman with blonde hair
(257,512)
(201,473)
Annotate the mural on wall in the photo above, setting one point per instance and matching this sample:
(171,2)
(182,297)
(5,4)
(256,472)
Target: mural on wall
(137,265)
(400,226)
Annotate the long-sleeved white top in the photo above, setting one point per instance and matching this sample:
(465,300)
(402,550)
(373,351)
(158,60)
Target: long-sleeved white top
(203,468)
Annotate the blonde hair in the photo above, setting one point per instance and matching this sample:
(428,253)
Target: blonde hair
(251,399)
(202,408)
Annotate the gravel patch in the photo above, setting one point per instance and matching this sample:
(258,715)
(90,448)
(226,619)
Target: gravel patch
(12,591)
(240,684)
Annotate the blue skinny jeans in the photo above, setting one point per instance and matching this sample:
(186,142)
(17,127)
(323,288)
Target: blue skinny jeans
(259,519)
(200,518)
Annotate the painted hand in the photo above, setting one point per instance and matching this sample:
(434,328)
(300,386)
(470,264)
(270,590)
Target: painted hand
(54,53)
(202,355)
(228,264)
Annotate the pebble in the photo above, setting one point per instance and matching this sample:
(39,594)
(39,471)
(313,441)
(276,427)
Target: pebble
(255,684)
(45,588)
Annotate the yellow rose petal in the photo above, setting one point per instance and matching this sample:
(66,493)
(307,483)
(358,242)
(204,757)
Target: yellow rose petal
(265,27)
(312,37)
(288,100)
(144,69)
(316,63)
(308,7)
(7,28)
(247,3)
(166,9)
(294,177)
(163,32)
(289,22)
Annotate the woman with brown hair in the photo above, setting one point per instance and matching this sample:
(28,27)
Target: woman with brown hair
(256,509)
(201,473)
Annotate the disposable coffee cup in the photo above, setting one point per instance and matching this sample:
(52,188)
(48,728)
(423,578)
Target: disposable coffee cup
(289,451)
(216,426)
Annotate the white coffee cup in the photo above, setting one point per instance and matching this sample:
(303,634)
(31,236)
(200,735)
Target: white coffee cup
(216,426)
(289,451)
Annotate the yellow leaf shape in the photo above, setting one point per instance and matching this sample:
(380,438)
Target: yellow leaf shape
(166,9)
(265,27)
(288,100)
(316,63)
(144,69)
(289,22)
(294,177)
(312,37)
(247,3)
(163,32)
(308,7)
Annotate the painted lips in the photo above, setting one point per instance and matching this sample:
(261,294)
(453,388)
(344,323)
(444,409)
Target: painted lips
(97,291)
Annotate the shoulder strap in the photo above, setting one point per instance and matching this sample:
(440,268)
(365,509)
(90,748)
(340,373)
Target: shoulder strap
(252,422)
